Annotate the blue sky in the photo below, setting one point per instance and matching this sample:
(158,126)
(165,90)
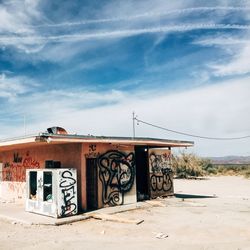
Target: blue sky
(87,65)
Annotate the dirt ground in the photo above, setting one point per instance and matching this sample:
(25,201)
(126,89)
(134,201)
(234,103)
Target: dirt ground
(208,214)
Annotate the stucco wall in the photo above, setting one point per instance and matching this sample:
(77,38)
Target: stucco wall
(116,174)
(15,163)
(120,188)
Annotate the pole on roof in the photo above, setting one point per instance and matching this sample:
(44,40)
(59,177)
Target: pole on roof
(24,124)
(133,124)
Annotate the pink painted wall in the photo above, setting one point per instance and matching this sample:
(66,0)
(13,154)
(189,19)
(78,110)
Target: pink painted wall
(15,163)
(74,155)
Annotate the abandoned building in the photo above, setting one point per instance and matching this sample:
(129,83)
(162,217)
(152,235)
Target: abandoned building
(93,171)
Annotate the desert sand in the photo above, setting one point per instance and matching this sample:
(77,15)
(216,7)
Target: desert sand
(209,214)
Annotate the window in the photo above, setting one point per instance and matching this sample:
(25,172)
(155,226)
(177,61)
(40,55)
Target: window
(33,185)
(47,186)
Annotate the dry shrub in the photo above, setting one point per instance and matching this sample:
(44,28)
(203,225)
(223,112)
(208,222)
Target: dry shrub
(187,165)
(233,169)
(247,173)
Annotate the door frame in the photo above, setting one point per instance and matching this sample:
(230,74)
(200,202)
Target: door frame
(146,181)
(92,163)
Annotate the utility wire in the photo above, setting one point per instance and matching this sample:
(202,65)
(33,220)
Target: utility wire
(191,135)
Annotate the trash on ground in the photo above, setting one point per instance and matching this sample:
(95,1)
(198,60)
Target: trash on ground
(160,235)
(109,217)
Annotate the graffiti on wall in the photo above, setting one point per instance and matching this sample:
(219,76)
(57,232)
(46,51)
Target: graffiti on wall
(159,161)
(160,172)
(117,173)
(67,185)
(16,170)
(92,152)
(16,188)
(162,182)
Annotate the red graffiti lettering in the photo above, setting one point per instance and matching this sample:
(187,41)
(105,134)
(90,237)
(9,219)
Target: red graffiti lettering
(16,171)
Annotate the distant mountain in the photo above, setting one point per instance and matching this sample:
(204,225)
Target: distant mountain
(230,159)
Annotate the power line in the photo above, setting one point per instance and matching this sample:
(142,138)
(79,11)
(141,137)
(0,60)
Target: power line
(191,135)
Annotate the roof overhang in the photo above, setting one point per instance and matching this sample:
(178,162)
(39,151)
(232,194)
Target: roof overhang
(46,138)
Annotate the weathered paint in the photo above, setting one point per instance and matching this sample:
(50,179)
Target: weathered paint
(70,156)
(116,174)
(12,191)
(161,175)
(67,192)
(16,161)
(15,169)
(116,182)
(114,156)
(63,199)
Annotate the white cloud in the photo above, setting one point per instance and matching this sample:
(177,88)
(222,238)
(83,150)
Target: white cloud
(238,65)
(21,22)
(11,87)
(108,34)
(221,41)
(216,110)
(13,22)
(144,16)
(63,102)
(237,48)
(219,110)
(16,18)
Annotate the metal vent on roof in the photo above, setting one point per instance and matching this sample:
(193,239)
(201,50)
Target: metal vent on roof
(57,131)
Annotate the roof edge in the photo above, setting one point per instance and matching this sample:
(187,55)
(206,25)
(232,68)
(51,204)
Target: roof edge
(47,137)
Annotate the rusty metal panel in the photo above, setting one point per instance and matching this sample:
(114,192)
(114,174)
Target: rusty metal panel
(160,172)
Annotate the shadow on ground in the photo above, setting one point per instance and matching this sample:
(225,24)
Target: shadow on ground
(194,196)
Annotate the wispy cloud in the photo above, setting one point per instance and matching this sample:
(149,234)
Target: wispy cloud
(237,48)
(170,61)
(238,65)
(207,106)
(23,29)
(11,87)
(16,18)
(62,102)
(144,15)
(221,41)
(11,40)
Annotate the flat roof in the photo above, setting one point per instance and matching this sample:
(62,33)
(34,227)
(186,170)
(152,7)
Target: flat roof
(47,138)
